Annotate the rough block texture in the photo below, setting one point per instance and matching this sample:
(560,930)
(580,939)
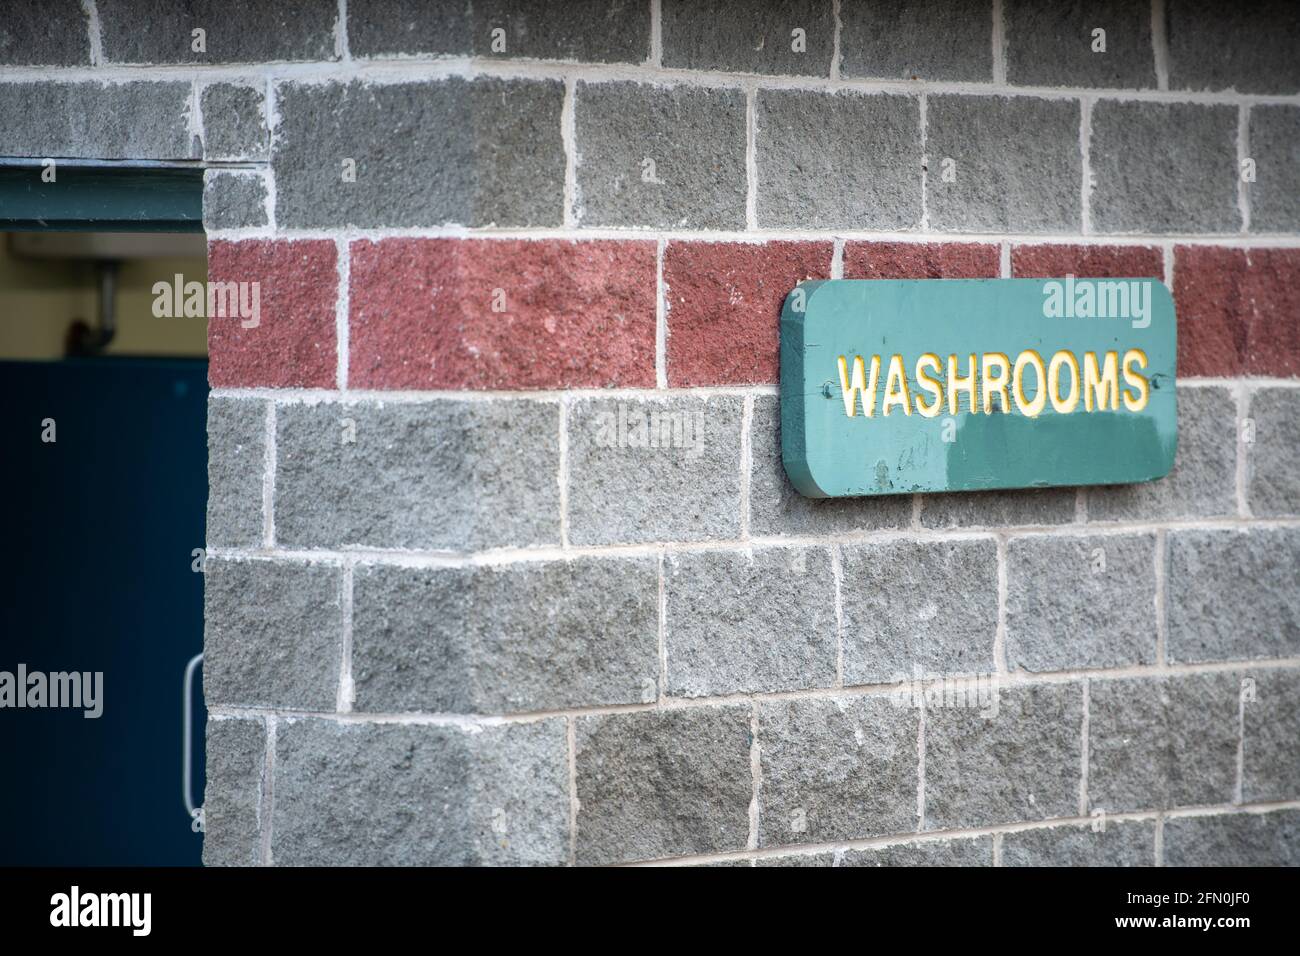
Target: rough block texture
(992,509)
(1020,762)
(672,157)
(1005,177)
(1054,260)
(1273,480)
(450,475)
(405,28)
(1110,843)
(921,260)
(1055,44)
(45,33)
(501,314)
(1274,138)
(836,769)
(236,466)
(1193,188)
(233,200)
(654,470)
(476,152)
(775,508)
(144,120)
(420,795)
(1203,479)
(838,160)
(1233,595)
(967,852)
(599,31)
(1245,47)
(273,634)
(232,797)
(1081,602)
(507,638)
(294,343)
(1239,839)
(743,623)
(1270,709)
(1162,742)
(917,39)
(742,37)
(235,31)
(724,301)
(914,609)
(662,783)
(1236,311)
(234,122)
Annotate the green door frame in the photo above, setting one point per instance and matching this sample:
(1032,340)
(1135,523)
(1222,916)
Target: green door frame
(88,196)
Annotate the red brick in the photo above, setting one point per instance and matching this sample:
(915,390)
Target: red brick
(576,314)
(1238,311)
(921,260)
(724,306)
(1087,262)
(295,344)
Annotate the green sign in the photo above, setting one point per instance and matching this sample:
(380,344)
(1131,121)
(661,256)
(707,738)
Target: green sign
(893,387)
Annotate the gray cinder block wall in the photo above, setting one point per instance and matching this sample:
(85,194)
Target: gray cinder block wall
(461,609)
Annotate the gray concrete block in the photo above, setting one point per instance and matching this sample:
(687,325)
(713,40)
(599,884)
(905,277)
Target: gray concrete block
(1238,839)
(1204,477)
(420,795)
(455,475)
(841,769)
(797,859)
(1155,744)
(1055,44)
(508,638)
(655,156)
(1272,472)
(236,758)
(662,783)
(133,120)
(1018,763)
(1114,843)
(233,199)
(1274,144)
(589,31)
(999,509)
(475,152)
(1081,602)
(406,28)
(1247,47)
(45,33)
(1271,744)
(775,508)
(747,622)
(236,467)
(1233,595)
(845,159)
(235,31)
(684,487)
(273,634)
(918,609)
(1192,187)
(234,122)
(739,37)
(963,852)
(1017,164)
(917,39)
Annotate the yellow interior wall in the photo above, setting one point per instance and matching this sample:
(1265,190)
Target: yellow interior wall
(40,298)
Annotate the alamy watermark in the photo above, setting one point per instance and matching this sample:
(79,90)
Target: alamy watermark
(211,300)
(633,427)
(75,690)
(980,692)
(1099,299)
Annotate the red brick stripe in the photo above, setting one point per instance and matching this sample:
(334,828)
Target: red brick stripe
(1238,311)
(724,306)
(1087,262)
(295,343)
(574,314)
(920,260)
